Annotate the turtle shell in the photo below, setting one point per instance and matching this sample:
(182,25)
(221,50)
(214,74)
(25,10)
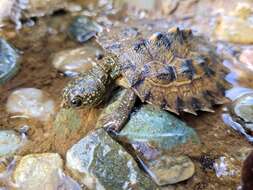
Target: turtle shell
(175,70)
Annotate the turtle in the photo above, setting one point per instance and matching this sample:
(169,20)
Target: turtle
(174,69)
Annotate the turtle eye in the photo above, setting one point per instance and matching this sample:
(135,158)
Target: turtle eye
(76,101)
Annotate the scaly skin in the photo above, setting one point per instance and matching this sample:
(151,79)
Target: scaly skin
(116,114)
(89,89)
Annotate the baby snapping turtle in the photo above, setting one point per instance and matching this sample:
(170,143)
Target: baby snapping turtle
(176,70)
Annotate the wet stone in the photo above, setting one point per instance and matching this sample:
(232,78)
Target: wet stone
(237,26)
(74,61)
(25,9)
(9,61)
(30,103)
(101,163)
(170,170)
(240,116)
(10,142)
(243,108)
(83,28)
(36,8)
(38,171)
(157,128)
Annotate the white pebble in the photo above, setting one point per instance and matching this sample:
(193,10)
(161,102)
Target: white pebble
(9,142)
(30,103)
(38,171)
(75,61)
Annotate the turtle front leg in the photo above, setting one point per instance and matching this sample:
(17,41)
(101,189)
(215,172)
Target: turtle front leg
(116,114)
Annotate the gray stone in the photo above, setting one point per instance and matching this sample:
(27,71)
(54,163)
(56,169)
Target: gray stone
(159,128)
(243,108)
(101,163)
(240,115)
(9,61)
(74,61)
(83,28)
(38,171)
(170,170)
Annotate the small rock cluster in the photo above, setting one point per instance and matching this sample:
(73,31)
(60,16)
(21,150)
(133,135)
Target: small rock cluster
(150,152)
(103,163)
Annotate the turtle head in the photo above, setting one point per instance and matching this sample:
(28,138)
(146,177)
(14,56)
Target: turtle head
(84,91)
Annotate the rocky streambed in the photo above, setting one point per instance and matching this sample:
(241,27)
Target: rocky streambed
(45,146)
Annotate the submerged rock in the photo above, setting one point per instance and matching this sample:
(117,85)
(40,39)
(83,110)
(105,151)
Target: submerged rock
(15,10)
(83,28)
(243,108)
(74,61)
(10,142)
(9,61)
(101,163)
(31,103)
(240,116)
(36,8)
(237,26)
(157,128)
(170,170)
(38,171)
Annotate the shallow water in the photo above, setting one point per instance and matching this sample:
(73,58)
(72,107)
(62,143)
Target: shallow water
(38,43)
